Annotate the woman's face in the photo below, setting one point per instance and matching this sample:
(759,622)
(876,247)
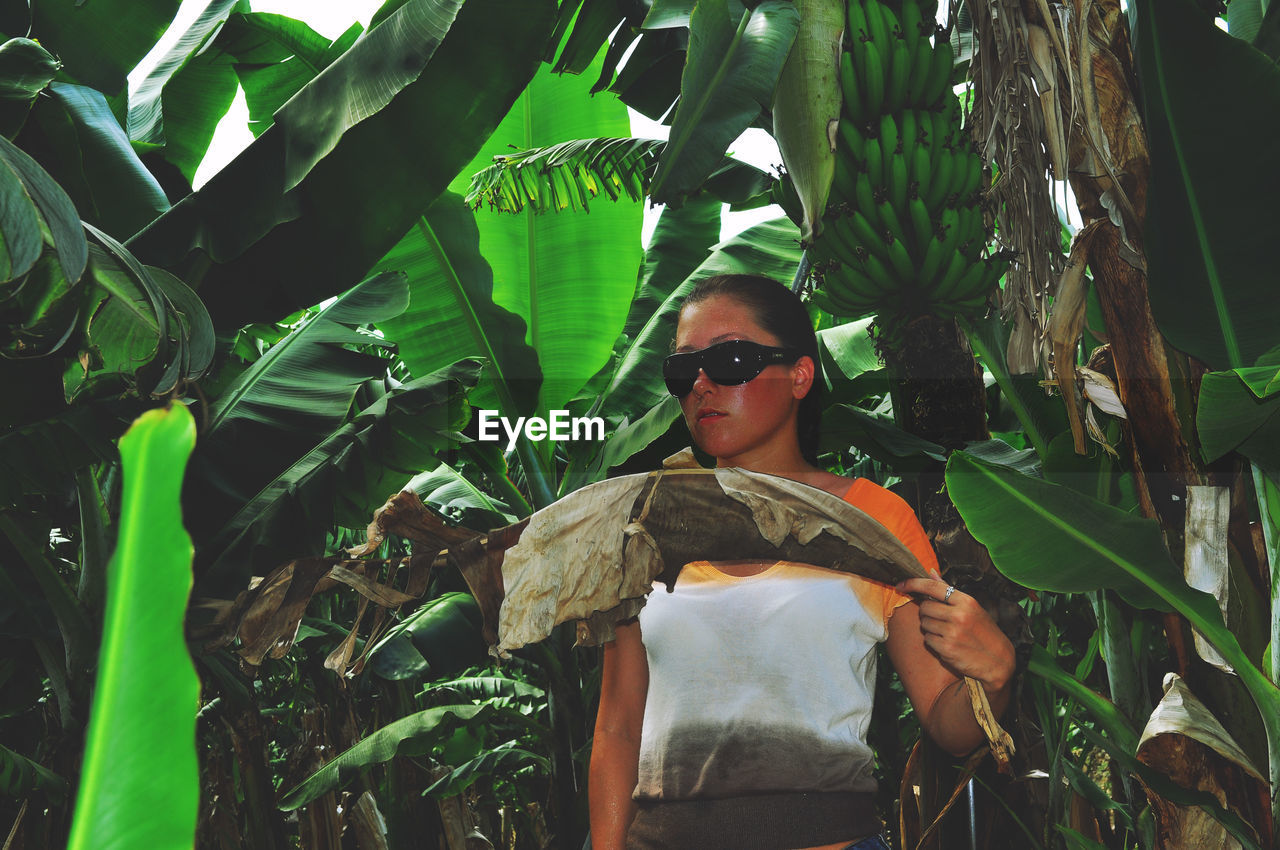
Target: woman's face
(746,424)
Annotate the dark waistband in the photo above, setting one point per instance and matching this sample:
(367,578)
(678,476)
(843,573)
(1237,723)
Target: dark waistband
(756,822)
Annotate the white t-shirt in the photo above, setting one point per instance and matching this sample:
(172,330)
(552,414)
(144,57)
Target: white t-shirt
(761,683)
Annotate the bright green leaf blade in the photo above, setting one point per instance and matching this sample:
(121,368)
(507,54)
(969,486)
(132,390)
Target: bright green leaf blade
(179,103)
(735,58)
(1215,174)
(101,41)
(450,494)
(366,193)
(451,311)
(571,277)
(412,735)
(139,784)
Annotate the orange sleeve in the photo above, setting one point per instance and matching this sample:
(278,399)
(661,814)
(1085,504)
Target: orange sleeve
(893,512)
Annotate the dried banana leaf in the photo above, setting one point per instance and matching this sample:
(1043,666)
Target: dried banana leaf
(594,555)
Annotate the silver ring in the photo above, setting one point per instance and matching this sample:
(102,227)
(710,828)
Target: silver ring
(950,590)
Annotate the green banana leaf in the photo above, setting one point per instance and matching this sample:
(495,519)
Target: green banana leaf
(1268,38)
(41,457)
(25,69)
(65,235)
(441,638)
(771,248)
(139,326)
(139,785)
(1121,743)
(99,42)
(451,310)
(178,104)
(452,495)
(1048,537)
(502,760)
(682,240)
(1215,174)
(343,479)
(1239,410)
(735,57)
(414,735)
(276,57)
(262,248)
(570,277)
(21,242)
(499,689)
(1244,19)
(20,776)
(650,81)
(85,149)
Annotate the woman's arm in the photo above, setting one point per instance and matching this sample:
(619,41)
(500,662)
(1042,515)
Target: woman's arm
(933,644)
(615,750)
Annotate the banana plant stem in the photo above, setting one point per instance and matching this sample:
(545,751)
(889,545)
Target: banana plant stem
(995,363)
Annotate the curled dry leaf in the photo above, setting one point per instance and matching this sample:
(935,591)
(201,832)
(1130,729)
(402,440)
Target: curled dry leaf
(1185,741)
(599,550)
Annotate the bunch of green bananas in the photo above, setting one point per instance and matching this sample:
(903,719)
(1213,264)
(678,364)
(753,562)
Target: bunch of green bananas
(903,233)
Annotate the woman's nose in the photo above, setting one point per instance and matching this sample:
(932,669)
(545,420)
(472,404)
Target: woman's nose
(702,383)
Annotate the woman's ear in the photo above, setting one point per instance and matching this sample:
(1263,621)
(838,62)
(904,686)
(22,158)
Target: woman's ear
(802,374)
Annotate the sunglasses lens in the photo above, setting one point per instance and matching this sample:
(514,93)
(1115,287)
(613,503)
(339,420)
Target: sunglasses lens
(727,364)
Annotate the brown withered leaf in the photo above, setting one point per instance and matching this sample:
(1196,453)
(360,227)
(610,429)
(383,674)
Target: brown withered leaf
(405,515)
(605,545)
(275,608)
(1186,742)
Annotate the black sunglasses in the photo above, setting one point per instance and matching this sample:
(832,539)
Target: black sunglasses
(726,363)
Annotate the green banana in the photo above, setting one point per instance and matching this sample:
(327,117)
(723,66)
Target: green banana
(900,260)
(875,163)
(853,105)
(854,142)
(899,75)
(921,225)
(864,193)
(920,171)
(931,266)
(873,80)
(889,218)
(938,82)
(877,27)
(898,181)
(862,232)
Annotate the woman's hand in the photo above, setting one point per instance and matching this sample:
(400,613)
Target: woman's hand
(960,633)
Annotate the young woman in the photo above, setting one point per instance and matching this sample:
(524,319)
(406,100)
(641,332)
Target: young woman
(733,712)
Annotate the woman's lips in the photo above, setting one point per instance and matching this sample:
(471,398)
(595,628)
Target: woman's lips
(709,414)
